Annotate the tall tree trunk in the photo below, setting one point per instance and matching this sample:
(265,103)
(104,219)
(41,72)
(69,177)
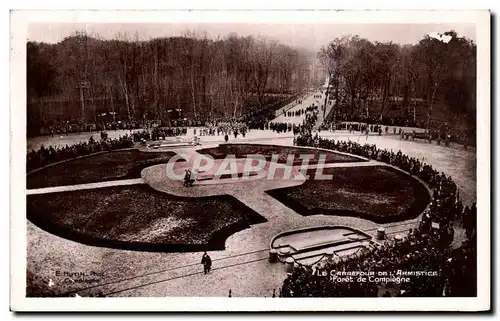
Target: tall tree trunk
(193,92)
(327,94)
(156,84)
(260,96)
(112,102)
(384,98)
(337,85)
(430,106)
(123,85)
(353,101)
(132,99)
(406,101)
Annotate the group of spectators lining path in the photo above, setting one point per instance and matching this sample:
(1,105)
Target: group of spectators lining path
(426,248)
(50,154)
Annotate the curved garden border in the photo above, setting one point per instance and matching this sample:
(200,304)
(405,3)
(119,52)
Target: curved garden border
(133,172)
(416,209)
(314,228)
(219,237)
(72,159)
(216,242)
(356,158)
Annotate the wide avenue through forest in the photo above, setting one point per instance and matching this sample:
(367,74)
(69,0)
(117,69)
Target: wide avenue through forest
(192,80)
(243,165)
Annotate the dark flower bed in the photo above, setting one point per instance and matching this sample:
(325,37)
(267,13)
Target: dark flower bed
(49,155)
(380,194)
(427,248)
(454,271)
(242,150)
(106,166)
(138,217)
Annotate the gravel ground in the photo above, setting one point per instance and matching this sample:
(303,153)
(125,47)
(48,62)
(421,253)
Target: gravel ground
(139,217)
(131,272)
(379,193)
(108,166)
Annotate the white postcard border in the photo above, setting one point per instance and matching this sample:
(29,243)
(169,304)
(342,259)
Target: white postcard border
(19,24)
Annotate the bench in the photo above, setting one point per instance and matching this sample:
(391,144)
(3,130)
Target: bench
(421,136)
(322,251)
(334,243)
(207,177)
(317,241)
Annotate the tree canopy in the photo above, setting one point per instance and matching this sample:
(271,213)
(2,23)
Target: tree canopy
(83,76)
(435,78)
(201,77)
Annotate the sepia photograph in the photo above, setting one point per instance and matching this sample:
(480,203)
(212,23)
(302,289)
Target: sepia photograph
(182,155)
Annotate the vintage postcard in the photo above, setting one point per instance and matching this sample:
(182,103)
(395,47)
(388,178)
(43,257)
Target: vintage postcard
(250,160)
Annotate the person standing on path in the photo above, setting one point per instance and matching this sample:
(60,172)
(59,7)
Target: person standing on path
(207,263)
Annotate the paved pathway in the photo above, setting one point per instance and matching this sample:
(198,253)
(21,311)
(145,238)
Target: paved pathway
(269,207)
(242,267)
(190,274)
(329,107)
(306,102)
(66,188)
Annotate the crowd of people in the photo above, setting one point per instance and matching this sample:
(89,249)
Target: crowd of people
(258,117)
(283,127)
(443,271)
(48,155)
(310,119)
(300,112)
(255,118)
(65,128)
(445,136)
(446,206)
(427,248)
(223,127)
(386,121)
(299,100)
(158,133)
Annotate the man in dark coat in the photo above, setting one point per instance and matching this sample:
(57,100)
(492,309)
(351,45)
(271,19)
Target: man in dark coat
(207,263)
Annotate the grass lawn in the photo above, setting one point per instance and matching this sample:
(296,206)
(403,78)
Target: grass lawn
(242,150)
(114,165)
(137,217)
(380,194)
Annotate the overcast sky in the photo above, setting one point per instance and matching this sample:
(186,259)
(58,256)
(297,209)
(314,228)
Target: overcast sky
(311,36)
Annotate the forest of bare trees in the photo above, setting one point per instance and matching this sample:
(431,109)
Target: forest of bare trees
(83,77)
(434,79)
